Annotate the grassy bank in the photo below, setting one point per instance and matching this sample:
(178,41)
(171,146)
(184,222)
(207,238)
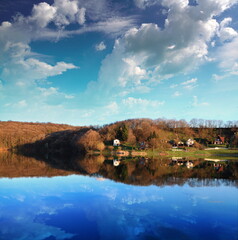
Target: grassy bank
(190,152)
(215,153)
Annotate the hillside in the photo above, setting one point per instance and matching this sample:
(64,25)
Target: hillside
(156,134)
(17,133)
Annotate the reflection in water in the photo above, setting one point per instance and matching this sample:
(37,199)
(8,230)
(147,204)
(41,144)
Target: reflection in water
(193,199)
(136,171)
(79,207)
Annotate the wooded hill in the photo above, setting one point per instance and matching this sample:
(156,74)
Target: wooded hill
(14,133)
(159,133)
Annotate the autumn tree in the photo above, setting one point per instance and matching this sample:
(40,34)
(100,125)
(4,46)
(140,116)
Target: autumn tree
(91,140)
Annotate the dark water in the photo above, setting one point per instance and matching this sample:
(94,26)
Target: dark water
(93,199)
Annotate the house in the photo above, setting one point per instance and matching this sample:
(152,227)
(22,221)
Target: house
(116,162)
(190,142)
(189,164)
(116,142)
(219,140)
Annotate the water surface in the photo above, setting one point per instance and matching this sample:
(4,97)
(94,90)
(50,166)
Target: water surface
(76,204)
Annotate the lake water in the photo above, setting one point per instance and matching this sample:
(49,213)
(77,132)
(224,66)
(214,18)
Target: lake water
(168,199)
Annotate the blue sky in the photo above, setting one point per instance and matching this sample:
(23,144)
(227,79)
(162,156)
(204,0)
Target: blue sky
(86,62)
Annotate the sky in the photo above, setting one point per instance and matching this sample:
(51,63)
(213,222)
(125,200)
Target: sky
(90,62)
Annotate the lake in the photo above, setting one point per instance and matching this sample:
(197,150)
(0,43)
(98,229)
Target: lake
(99,198)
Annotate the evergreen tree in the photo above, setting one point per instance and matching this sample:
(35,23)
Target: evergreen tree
(122,132)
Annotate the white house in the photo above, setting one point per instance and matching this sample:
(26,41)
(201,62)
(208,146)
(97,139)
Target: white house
(190,142)
(189,164)
(116,162)
(116,142)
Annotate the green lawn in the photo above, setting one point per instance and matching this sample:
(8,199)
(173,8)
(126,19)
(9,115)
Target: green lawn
(216,153)
(189,152)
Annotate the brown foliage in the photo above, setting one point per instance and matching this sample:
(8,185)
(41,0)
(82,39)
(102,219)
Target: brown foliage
(91,140)
(13,134)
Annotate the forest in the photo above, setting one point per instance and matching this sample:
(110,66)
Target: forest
(157,134)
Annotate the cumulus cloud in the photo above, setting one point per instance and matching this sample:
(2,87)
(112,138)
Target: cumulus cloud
(68,12)
(183,43)
(101,46)
(43,14)
(226,33)
(147,54)
(22,73)
(22,68)
(19,64)
(61,13)
(227,55)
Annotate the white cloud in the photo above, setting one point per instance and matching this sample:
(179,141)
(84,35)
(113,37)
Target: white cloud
(217,77)
(43,14)
(173,85)
(48,91)
(111,108)
(22,103)
(177,94)
(147,54)
(196,103)
(227,54)
(145,3)
(61,12)
(17,105)
(27,70)
(115,26)
(68,12)
(180,46)
(190,87)
(193,80)
(80,17)
(101,46)
(139,102)
(190,84)
(53,92)
(226,33)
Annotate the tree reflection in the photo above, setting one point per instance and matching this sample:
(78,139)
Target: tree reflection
(135,171)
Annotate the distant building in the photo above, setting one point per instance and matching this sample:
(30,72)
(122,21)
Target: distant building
(190,142)
(180,143)
(116,162)
(219,140)
(189,164)
(116,142)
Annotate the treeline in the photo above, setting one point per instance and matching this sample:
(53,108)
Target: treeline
(13,166)
(159,133)
(137,171)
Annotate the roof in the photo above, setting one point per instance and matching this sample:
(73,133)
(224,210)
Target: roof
(222,138)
